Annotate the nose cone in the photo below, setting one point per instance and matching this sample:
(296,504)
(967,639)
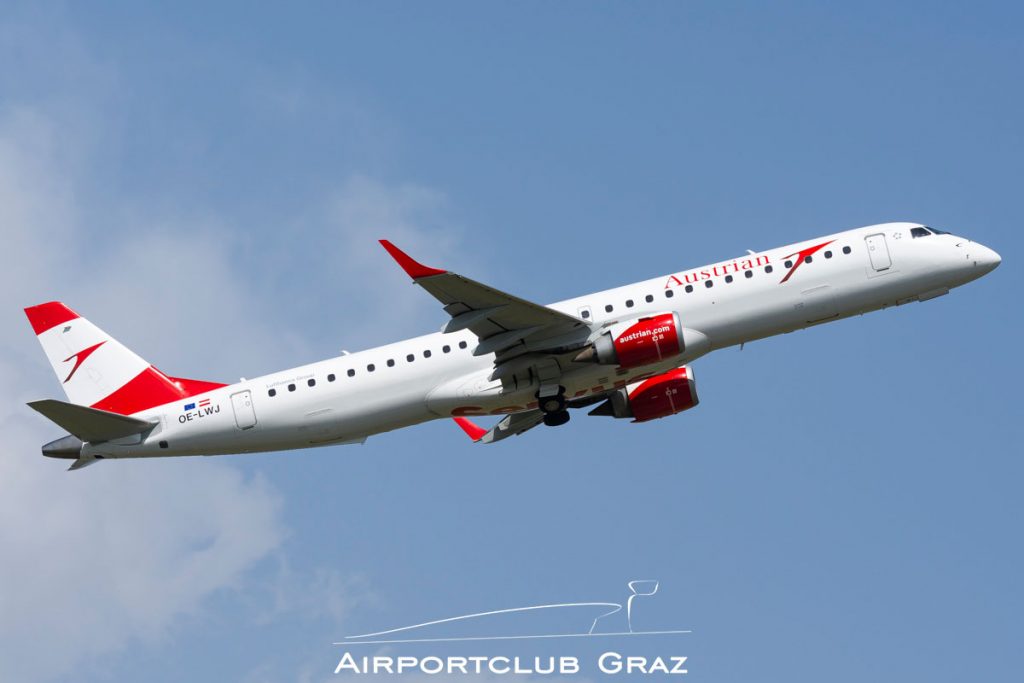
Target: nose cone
(986,259)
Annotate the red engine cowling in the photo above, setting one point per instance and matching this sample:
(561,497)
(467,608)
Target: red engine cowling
(639,342)
(660,396)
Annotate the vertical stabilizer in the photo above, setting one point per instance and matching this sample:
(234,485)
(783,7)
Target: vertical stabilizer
(98,371)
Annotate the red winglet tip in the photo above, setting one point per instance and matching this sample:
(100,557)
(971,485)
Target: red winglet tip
(47,316)
(473,431)
(411,266)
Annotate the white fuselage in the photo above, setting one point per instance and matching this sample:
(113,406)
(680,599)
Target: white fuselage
(351,397)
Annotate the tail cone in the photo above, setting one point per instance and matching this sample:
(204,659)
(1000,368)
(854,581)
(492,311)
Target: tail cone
(67,448)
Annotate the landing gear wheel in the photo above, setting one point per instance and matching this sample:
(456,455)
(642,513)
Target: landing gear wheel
(552,403)
(556,419)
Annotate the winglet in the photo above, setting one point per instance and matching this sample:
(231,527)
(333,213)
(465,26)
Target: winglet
(473,431)
(411,266)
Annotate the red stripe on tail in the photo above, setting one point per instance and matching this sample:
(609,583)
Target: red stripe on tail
(151,388)
(47,316)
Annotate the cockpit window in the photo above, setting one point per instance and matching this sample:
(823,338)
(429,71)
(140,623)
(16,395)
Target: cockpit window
(919,232)
(937,231)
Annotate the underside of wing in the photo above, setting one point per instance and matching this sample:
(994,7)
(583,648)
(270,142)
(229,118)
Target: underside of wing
(510,425)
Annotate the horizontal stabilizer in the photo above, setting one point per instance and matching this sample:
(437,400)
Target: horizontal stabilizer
(84,461)
(90,424)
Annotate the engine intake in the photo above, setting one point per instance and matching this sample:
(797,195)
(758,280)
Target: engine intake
(660,396)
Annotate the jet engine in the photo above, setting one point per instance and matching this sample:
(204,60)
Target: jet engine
(659,396)
(637,342)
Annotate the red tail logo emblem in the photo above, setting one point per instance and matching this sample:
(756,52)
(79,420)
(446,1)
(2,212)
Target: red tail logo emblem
(80,358)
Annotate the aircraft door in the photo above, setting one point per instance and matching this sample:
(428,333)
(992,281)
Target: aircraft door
(245,416)
(878,251)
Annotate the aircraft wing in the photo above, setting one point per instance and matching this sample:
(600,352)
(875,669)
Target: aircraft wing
(503,323)
(510,425)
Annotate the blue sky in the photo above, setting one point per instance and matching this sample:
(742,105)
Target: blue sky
(207,184)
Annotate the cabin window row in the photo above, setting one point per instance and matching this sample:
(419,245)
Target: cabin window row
(749,273)
(370,367)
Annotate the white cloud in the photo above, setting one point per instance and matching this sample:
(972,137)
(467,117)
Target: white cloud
(98,559)
(103,559)
(114,555)
(359,295)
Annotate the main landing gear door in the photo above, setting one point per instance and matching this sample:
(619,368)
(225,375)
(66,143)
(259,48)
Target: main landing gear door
(878,250)
(245,416)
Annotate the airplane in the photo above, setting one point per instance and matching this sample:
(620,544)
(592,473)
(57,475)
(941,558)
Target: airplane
(625,351)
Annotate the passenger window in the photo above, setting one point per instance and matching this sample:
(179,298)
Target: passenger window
(272,392)
(828,254)
(748,273)
(585,314)
(311,382)
(426,354)
(410,358)
(391,362)
(709,283)
(291,387)
(330,377)
(846,250)
(788,264)
(446,348)
(371,367)
(608,309)
(689,288)
(649,298)
(768,269)
(807,259)
(462,344)
(351,372)
(728,278)
(629,303)
(669,294)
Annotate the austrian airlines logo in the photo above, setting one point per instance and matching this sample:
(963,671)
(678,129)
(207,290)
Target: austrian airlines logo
(801,255)
(80,358)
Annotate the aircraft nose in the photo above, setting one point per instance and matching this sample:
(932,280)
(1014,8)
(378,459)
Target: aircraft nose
(986,258)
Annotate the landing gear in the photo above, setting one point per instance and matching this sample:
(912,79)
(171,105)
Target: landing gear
(551,402)
(556,419)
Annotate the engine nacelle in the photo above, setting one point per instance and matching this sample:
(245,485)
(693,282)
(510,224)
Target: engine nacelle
(637,342)
(659,396)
